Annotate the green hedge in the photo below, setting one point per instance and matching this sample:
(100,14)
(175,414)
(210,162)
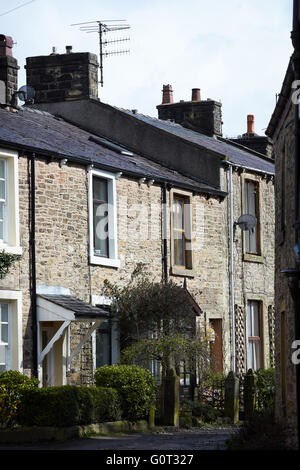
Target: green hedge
(13,385)
(135,385)
(68,405)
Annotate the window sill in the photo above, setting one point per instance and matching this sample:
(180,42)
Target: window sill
(110,262)
(13,250)
(177,271)
(253,258)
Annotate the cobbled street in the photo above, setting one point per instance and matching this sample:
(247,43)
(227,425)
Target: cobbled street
(161,439)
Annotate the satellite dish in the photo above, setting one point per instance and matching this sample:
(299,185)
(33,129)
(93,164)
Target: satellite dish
(26,93)
(246,222)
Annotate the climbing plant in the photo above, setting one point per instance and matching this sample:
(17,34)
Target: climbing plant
(6,262)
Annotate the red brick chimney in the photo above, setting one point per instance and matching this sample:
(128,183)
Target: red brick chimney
(196,96)
(250,124)
(167,94)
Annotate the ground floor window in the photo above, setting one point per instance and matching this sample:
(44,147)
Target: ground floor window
(254,335)
(5,337)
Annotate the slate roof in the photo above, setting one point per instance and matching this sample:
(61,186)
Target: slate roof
(39,131)
(235,153)
(81,309)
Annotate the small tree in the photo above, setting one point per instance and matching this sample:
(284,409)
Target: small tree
(156,322)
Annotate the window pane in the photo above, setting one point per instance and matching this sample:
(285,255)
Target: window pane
(2,169)
(2,189)
(101,230)
(102,349)
(100,189)
(178,214)
(179,248)
(4,333)
(1,230)
(4,313)
(250,207)
(2,354)
(1,210)
(255,319)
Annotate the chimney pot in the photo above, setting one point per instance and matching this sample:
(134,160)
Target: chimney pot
(167,94)
(196,96)
(250,124)
(6,44)
(69,49)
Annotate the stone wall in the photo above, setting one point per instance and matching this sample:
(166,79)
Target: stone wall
(285,259)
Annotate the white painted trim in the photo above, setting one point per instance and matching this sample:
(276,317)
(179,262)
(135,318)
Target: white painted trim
(12,242)
(53,340)
(113,260)
(100,300)
(15,298)
(49,311)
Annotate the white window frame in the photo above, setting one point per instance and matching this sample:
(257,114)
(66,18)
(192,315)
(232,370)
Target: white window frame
(112,260)
(11,234)
(7,344)
(15,342)
(249,304)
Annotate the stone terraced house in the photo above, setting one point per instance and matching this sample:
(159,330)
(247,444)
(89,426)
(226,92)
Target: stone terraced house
(65,158)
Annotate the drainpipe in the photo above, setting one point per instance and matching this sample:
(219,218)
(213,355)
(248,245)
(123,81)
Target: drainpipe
(164,232)
(33,267)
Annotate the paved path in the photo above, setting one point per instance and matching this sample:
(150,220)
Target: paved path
(161,439)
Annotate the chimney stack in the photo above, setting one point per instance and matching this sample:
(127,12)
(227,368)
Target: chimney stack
(63,77)
(196,96)
(250,124)
(8,70)
(167,94)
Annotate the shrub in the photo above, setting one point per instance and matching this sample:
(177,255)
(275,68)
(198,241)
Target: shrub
(260,433)
(13,385)
(207,413)
(135,385)
(68,405)
(265,389)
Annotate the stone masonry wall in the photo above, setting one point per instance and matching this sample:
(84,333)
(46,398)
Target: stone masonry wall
(285,259)
(62,247)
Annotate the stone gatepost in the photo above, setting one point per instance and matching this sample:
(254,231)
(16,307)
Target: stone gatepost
(232,392)
(171,387)
(249,394)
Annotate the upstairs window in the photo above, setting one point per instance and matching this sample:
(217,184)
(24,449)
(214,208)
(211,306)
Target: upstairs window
(3,200)
(9,202)
(103,219)
(181,232)
(251,206)
(100,220)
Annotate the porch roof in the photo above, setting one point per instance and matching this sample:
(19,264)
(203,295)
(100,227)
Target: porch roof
(81,310)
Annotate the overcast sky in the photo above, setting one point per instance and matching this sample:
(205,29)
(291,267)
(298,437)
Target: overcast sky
(235,51)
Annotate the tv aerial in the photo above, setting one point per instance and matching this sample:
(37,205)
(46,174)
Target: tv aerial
(102,28)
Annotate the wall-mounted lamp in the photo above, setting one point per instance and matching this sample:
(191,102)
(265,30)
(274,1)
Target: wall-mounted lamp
(142,180)
(150,183)
(89,168)
(118,175)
